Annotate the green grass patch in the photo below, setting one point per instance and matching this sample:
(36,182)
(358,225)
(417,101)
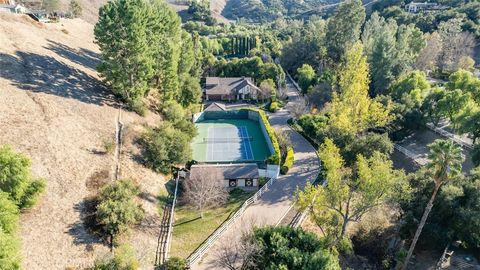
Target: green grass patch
(190,231)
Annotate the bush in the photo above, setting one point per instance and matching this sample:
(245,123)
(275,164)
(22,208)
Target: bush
(287,165)
(124,259)
(274,106)
(138,106)
(275,157)
(173,111)
(108,145)
(176,263)
(117,210)
(16,180)
(166,146)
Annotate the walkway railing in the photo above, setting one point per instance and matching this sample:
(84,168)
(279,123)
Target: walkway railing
(450,135)
(201,250)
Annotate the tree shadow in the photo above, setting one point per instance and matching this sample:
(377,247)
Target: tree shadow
(86,231)
(82,56)
(45,74)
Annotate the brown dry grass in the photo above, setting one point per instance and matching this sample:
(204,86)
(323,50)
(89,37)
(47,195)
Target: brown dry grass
(54,109)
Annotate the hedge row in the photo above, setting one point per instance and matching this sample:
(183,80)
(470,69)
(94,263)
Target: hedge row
(275,157)
(287,165)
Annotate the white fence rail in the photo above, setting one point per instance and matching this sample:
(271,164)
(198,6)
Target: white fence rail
(293,82)
(170,222)
(200,251)
(451,136)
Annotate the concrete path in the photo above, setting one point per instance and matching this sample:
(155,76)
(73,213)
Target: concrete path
(276,202)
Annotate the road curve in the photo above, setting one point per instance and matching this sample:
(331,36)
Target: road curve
(275,203)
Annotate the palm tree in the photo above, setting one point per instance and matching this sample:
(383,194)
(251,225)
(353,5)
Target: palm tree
(445,164)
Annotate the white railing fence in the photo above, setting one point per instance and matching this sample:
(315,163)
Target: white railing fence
(201,250)
(170,222)
(451,136)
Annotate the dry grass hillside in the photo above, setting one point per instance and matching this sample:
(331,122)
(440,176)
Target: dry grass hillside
(54,109)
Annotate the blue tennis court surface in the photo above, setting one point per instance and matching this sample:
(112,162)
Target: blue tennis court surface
(228,143)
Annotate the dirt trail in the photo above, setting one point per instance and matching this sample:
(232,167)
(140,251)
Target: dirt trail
(54,108)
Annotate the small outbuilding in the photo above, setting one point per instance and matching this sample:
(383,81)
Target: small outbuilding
(243,175)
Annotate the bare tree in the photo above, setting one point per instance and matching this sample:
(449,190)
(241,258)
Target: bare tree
(456,44)
(299,106)
(284,141)
(429,56)
(282,93)
(236,251)
(204,189)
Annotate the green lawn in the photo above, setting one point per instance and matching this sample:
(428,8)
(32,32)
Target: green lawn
(190,230)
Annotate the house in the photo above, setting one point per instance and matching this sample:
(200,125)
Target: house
(231,89)
(15,8)
(415,7)
(242,175)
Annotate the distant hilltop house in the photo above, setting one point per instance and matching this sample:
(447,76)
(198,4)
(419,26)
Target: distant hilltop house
(12,7)
(415,7)
(231,89)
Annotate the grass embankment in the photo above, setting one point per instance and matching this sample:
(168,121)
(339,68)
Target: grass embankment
(190,231)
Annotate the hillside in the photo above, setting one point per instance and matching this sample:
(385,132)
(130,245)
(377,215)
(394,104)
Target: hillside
(54,108)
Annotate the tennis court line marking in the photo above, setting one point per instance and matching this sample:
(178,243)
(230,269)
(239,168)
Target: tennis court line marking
(247,143)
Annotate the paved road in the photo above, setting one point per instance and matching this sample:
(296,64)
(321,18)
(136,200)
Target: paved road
(275,203)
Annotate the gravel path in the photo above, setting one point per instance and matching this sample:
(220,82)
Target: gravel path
(276,202)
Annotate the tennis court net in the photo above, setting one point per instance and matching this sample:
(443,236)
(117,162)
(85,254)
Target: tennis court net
(227,140)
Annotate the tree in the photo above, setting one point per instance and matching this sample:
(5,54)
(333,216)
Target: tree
(128,33)
(429,56)
(190,90)
(445,164)
(287,248)
(123,259)
(465,81)
(343,29)
(176,263)
(9,257)
(268,90)
(165,146)
(16,179)
(306,77)
(476,155)
(9,214)
(456,44)
(469,123)
(431,107)
(452,104)
(204,190)
(117,209)
(352,110)
(349,193)
(75,8)
(298,107)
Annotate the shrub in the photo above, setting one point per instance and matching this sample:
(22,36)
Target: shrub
(173,111)
(274,106)
(138,106)
(176,263)
(16,180)
(287,165)
(117,210)
(165,146)
(108,145)
(275,157)
(124,259)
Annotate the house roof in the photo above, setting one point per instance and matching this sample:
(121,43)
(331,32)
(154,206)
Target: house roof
(215,107)
(227,85)
(227,171)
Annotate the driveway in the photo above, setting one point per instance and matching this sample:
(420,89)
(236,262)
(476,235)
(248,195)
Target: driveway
(275,203)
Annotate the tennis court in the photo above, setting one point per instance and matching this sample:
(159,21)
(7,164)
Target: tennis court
(227,140)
